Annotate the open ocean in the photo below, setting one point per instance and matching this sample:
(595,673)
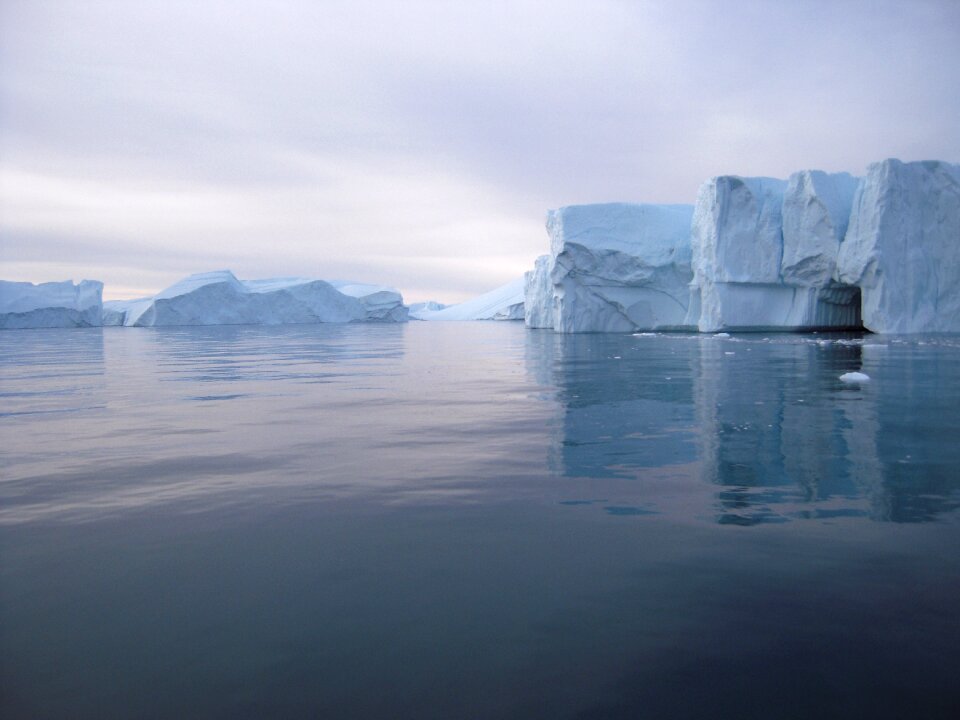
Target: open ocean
(475,520)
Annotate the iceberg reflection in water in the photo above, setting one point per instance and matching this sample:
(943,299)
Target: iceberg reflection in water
(476,520)
(767,419)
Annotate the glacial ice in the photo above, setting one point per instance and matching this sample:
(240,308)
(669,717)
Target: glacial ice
(219,298)
(902,248)
(538,294)
(764,253)
(502,303)
(616,267)
(50,304)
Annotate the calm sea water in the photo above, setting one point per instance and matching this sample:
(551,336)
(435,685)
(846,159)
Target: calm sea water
(473,520)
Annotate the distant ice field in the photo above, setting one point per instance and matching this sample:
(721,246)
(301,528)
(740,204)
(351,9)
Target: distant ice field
(474,519)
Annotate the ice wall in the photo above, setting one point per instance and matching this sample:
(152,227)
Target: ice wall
(764,253)
(50,305)
(538,294)
(617,267)
(902,247)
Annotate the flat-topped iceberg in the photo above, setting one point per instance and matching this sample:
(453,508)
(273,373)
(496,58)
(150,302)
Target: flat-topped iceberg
(502,303)
(219,298)
(50,304)
(616,267)
(902,248)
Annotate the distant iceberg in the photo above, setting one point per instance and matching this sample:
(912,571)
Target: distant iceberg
(219,298)
(421,307)
(503,303)
(50,305)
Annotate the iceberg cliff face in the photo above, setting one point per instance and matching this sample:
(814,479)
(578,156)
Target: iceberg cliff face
(538,294)
(902,247)
(219,298)
(618,267)
(765,253)
(50,305)
(816,211)
(502,303)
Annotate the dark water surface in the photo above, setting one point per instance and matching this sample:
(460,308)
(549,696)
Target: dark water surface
(473,520)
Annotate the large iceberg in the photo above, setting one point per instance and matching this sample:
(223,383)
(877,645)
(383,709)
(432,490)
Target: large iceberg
(219,298)
(902,248)
(50,305)
(502,303)
(617,267)
(765,253)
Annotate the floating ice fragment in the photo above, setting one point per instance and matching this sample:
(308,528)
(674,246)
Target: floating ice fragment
(854,377)
(721,335)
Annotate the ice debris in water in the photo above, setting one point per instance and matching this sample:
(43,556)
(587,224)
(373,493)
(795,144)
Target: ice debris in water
(854,377)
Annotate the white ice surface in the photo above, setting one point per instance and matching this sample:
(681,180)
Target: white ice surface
(855,377)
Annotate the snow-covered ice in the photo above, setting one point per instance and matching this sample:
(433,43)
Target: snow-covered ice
(219,298)
(619,267)
(903,247)
(502,303)
(50,304)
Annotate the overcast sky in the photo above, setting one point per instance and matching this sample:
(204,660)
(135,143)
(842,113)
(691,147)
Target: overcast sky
(419,144)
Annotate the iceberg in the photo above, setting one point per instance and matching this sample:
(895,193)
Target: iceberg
(902,247)
(219,298)
(538,294)
(381,303)
(764,253)
(616,267)
(50,305)
(502,303)
(428,306)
